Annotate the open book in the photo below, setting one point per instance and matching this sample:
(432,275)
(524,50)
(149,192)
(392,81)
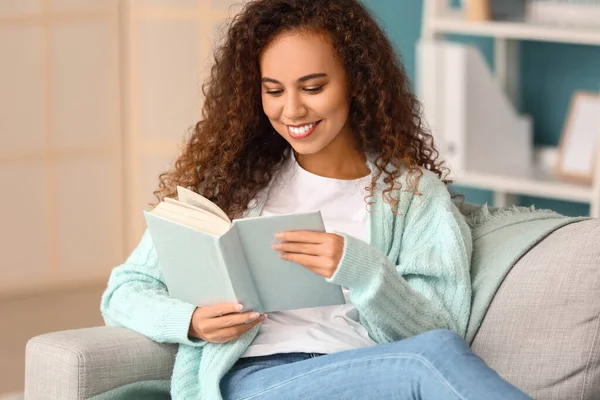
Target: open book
(206,258)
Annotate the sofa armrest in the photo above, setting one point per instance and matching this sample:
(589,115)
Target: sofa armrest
(542,329)
(77,364)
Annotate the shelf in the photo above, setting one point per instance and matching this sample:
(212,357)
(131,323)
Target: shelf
(440,19)
(538,185)
(455,23)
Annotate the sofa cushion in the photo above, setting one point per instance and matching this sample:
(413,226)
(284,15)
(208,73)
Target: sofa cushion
(541,329)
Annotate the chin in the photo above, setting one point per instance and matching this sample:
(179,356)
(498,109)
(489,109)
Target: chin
(306,149)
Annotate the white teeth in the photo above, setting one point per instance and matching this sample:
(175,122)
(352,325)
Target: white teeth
(302,129)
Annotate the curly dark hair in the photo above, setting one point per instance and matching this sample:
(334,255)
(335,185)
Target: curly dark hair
(233,152)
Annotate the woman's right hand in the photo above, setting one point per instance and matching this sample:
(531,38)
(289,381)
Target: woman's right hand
(222,322)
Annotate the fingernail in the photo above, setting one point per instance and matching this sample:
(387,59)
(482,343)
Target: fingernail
(279,236)
(239,307)
(254,315)
(276,246)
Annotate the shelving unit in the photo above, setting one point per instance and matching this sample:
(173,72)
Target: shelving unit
(439,19)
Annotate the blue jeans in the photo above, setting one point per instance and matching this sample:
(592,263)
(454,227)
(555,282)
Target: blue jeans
(436,365)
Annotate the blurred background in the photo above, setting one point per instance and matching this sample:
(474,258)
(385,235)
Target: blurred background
(97,95)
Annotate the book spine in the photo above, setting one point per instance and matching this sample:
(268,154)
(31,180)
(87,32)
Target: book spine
(236,265)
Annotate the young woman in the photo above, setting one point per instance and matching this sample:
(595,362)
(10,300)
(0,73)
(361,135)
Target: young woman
(307,108)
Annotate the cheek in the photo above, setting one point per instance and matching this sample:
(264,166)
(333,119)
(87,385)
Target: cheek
(334,107)
(271,108)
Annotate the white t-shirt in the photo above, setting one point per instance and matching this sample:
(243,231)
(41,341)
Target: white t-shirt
(321,329)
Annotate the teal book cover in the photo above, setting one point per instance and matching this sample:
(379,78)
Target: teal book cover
(240,265)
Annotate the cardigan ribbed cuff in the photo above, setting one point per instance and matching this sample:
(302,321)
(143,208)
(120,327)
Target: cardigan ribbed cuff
(359,264)
(177,325)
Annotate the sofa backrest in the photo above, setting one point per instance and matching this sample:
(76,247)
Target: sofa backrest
(541,331)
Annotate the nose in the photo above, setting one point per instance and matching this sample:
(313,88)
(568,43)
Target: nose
(294,107)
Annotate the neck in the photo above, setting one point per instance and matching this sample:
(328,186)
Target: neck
(339,160)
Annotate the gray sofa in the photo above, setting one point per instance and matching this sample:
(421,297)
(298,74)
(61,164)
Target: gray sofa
(541,332)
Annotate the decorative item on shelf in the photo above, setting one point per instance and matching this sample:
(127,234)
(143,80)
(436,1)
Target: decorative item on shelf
(478,10)
(474,124)
(580,139)
(544,161)
(576,13)
(485,10)
(508,10)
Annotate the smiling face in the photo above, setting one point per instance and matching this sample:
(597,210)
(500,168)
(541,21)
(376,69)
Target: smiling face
(305,92)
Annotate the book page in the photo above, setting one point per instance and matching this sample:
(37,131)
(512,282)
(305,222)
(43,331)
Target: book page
(197,200)
(185,205)
(197,219)
(194,208)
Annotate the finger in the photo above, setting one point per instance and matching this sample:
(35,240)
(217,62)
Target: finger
(302,248)
(302,236)
(308,261)
(219,310)
(227,334)
(230,320)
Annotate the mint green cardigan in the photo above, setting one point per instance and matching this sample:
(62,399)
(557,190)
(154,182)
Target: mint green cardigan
(413,277)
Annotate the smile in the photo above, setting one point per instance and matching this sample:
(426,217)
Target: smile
(302,131)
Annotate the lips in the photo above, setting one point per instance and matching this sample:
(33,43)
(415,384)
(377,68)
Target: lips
(302,131)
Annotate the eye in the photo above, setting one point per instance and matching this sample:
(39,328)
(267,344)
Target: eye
(314,90)
(274,92)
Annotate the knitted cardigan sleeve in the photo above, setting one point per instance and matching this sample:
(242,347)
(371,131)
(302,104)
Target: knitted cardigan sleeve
(137,298)
(426,285)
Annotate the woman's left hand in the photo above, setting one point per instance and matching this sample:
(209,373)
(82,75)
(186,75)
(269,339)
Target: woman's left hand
(317,251)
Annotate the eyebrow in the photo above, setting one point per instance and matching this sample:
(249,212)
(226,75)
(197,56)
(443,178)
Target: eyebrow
(302,79)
